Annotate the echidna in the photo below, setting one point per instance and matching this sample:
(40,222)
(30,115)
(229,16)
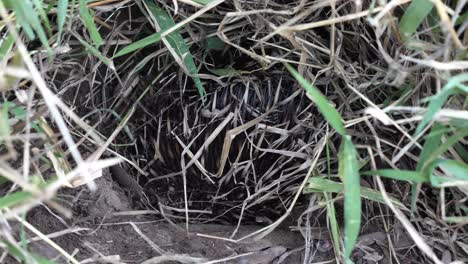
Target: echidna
(249,143)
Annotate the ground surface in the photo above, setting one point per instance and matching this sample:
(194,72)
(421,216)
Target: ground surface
(106,218)
(105,229)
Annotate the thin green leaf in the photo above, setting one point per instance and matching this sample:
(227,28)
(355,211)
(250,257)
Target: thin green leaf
(42,14)
(413,17)
(227,72)
(400,95)
(352,196)
(214,43)
(438,100)
(33,19)
(456,171)
(326,109)
(18,112)
(4,124)
(462,18)
(13,199)
(433,140)
(461,151)
(463,220)
(151,39)
(88,21)
(414,197)
(96,52)
(457,136)
(51,5)
(62,6)
(20,17)
(6,45)
(401,175)
(316,184)
(29,21)
(203,2)
(72,9)
(3,180)
(176,43)
(335,230)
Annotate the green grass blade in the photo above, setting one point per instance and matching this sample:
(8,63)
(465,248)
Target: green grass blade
(203,2)
(461,220)
(462,18)
(457,171)
(433,140)
(331,212)
(18,112)
(438,100)
(401,95)
(413,17)
(72,9)
(3,180)
(175,42)
(88,21)
(214,44)
(323,185)
(227,72)
(335,230)
(376,196)
(317,184)
(13,199)
(96,52)
(20,17)
(6,45)
(29,21)
(461,151)
(455,168)
(43,15)
(352,195)
(401,175)
(431,143)
(4,124)
(62,6)
(435,105)
(151,39)
(326,109)
(457,136)
(50,5)
(33,19)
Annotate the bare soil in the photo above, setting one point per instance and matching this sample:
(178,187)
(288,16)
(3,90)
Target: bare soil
(107,234)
